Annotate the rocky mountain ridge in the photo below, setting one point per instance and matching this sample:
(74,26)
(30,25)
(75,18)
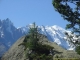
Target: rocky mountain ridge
(9,34)
(16,52)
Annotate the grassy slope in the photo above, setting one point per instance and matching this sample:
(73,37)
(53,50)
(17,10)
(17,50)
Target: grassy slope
(17,52)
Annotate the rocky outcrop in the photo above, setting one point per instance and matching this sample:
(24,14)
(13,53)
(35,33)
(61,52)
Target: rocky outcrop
(17,52)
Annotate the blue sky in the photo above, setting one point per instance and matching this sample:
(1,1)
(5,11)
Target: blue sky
(23,12)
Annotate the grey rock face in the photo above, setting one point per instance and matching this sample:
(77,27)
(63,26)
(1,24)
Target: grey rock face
(8,35)
(17,52)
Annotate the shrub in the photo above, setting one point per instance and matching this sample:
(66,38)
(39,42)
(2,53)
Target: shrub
(78,49)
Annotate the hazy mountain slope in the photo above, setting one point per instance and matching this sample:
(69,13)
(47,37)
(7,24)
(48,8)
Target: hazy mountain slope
(16,52)
(3,49)
(8,35)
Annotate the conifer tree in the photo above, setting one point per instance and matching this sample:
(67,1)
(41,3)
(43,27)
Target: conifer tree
(71,14)
(36,50)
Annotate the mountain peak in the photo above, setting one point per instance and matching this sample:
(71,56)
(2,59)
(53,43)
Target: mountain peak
(56,27)
(9,33)
(7,21)
(56,34)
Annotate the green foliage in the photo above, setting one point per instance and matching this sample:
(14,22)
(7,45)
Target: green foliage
(69,13)
(78,49)
(56,56)
(43,49)
(38,51)
(66,59)
(36,56)
(71,40)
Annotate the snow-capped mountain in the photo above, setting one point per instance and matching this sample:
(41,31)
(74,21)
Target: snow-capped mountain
(56,34)
(9,34)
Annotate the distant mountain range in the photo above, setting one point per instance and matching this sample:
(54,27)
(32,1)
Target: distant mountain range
(9,34)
